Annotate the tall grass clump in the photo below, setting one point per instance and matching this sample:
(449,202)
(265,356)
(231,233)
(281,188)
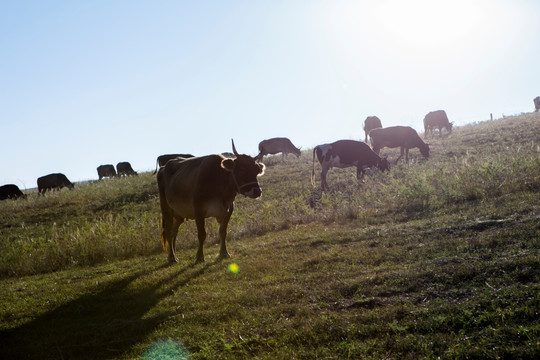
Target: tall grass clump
(95,222)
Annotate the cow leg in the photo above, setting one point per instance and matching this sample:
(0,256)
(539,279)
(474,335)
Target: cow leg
(223,223)
(401,154)
(169,231)
(359,172)
(407,155)
(324,184)
(201,233)
(173,232)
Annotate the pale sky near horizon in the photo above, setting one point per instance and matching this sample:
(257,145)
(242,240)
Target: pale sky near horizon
(85,83)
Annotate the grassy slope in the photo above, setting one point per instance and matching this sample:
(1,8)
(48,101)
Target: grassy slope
(439,258)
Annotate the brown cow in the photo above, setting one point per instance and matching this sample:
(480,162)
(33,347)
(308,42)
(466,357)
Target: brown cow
(202,187)
(536,103)
(162,159)
(436,120)
(124,169)
(53,182)
(11,191)
(277,145)
(371,122)
(404,137)
(343,154)
(106,171)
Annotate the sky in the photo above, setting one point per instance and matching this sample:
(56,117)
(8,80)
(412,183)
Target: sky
(86,83)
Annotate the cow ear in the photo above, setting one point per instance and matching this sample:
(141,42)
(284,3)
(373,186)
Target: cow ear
(228,164)
(263,167)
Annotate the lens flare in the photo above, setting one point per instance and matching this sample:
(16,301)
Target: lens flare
(234,268)
(165,349)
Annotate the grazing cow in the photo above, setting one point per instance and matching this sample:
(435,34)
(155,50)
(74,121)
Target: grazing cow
(404,137)
(371,122)
(11,191)
(436,120)
(162,159)
(277,145)
(345,153)
(106,171)
(53,182)
(202,187)
(536,103)
(124,168)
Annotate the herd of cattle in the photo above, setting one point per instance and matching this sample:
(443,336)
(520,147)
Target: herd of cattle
(58,181)
(201,187)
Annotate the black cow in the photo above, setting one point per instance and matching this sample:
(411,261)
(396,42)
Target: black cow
(53,182)
(124,169)
(106,171)
(536,103)
(202,187)
(11,191)
(371,122)
(343,154)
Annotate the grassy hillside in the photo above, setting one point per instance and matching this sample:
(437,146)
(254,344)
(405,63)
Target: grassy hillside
(436,259)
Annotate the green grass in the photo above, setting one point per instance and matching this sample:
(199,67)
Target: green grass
(436,259)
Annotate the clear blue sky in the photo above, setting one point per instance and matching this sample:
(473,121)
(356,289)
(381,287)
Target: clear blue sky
(85,83)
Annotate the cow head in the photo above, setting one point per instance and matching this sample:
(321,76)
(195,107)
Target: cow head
(449,127)
(383,164)
(244,170)
(424,150)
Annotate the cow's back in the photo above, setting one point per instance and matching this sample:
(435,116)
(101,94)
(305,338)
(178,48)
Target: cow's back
(351,151)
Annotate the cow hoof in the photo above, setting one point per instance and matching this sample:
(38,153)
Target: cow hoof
(224,255)
(199,260)
(173,260)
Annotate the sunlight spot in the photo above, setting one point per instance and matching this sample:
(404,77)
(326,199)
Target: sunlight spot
(234,268)
(427,23)
(164,350)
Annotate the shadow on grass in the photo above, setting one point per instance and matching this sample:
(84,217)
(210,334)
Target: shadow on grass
(100,325)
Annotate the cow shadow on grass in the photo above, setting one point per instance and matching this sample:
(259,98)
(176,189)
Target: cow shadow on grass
(100,325)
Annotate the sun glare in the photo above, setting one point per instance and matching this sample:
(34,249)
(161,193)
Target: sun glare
(420,24)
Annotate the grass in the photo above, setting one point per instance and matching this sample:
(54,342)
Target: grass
(436,259)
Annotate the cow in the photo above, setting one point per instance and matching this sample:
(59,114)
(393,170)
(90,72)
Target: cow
(11,191)
(202,187)
(536,103)
(404,137)
(53,182)
(277,145)
(343,154)
(106,171)
(124,169)
(436,120)
(162,159)
(371,122)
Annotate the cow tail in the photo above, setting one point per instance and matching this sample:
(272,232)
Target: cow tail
(164,242)
(313,171)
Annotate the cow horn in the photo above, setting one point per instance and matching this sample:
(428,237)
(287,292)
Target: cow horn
(234,149)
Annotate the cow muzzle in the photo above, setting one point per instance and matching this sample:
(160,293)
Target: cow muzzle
(251,190)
